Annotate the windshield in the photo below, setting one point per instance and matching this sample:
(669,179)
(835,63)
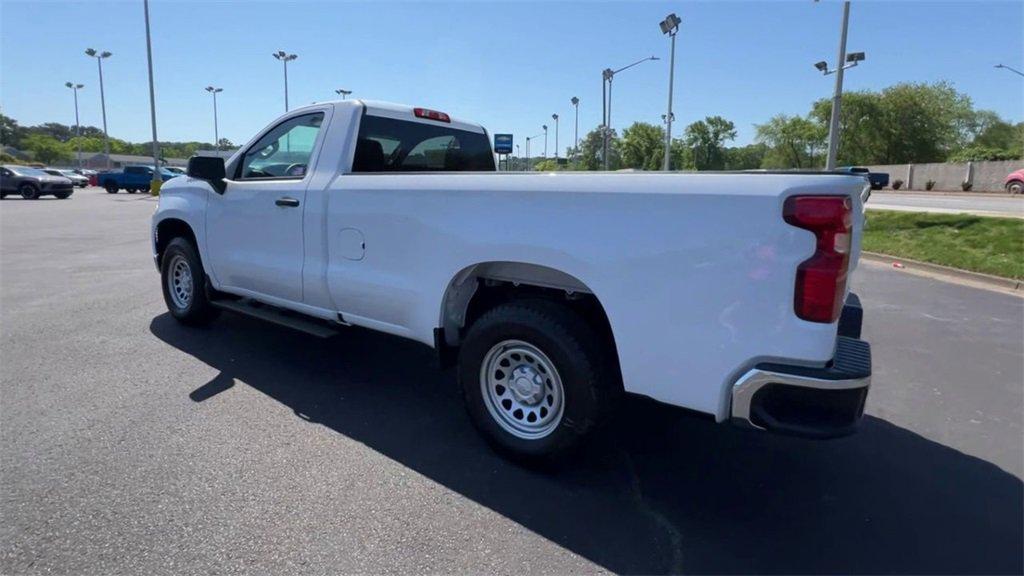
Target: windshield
(26,171)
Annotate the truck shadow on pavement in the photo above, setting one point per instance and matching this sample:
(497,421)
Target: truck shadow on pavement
(659,490)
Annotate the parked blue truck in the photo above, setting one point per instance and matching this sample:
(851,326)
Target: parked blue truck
(878,180)
(132,179)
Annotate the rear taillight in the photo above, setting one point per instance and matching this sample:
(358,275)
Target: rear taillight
(821,279)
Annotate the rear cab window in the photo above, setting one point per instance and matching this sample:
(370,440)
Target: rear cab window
(389,144)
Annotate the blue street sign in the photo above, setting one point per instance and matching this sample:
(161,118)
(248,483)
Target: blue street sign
(502,143)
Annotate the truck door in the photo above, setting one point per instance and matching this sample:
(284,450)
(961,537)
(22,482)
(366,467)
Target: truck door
(254,229)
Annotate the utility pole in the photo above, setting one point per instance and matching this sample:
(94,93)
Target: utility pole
(216,132)
(607,76)
(576,132)
(555,118)
(837,96)
(545,127)
(78,125)
(285,58)
(99,56)
(670,26)
(154,186)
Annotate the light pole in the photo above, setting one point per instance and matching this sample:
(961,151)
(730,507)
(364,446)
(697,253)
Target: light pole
(555,118)
(343,93)
(285,58)
(607,76)
(216,133)
(517,153)
(576,133)
(670,26)
(99,56)
(545,127)
(154,185)
(1014,70)
(842,63)
(528,138)
(78,126)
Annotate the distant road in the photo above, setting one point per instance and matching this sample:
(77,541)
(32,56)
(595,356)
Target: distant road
(979,204)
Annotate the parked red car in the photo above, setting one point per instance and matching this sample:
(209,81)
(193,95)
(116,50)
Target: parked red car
(1014,182)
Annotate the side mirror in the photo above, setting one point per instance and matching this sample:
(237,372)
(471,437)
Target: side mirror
(210,169)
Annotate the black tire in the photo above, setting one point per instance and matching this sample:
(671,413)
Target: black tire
(590,381)
(197,310)
(62,195)
(28,191)
(876,186)
(131,190)
(1014,187)
(110,186)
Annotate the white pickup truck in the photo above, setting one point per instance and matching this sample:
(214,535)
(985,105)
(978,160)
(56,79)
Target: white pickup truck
(555,293)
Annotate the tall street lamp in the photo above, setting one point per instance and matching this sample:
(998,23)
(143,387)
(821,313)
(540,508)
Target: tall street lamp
(555,118)
(342,93)
(99,56)
(518,156)
(154,185)
(285,58)
(670,25)
(607,75)
(78,126)
(528,138)
(1014,70)
(576,133)
(216,133)
(843,62)
(545,127)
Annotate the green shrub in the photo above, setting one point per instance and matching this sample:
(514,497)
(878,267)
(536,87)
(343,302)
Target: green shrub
(929,185)
(897,184)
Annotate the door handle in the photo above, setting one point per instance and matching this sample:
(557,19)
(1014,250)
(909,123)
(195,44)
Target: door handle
(287,201)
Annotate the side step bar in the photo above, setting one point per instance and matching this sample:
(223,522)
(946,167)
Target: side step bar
(277,316)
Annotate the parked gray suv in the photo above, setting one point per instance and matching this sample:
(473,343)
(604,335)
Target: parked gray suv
(31,183)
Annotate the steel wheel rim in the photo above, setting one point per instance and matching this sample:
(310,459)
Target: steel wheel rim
(522,389)
(179,282)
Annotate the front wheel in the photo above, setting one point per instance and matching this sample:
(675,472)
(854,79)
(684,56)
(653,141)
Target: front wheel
(1015,187)
(28,192)
(536,378)
(111,187)
(184,284)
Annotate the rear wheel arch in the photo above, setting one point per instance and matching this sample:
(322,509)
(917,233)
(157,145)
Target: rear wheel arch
(478,288)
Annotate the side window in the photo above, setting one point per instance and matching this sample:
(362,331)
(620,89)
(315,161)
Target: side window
(391,145)
(284,152)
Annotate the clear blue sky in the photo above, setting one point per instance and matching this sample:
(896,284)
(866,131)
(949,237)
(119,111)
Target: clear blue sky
(508,65)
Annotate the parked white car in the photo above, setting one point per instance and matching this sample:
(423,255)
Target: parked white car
(724,293)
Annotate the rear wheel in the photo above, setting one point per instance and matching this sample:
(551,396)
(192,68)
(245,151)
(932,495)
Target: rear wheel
(536,378)
(184,284)
(110,186)
(28,191)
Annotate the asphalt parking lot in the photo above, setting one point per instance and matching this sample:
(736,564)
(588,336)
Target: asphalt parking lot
(130,444)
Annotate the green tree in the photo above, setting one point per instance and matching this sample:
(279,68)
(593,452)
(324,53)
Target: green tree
(707,138)
(643,146)
(46,149)
(792,141)
(591,150)
(922,123)
(10,133)
(862,139)
(748,157)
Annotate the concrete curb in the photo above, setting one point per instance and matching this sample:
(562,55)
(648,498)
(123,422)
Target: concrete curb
(903,192)
(948,273)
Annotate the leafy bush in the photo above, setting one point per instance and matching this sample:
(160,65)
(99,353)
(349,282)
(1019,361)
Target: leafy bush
(966,186)
(897,184)
(929,185)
